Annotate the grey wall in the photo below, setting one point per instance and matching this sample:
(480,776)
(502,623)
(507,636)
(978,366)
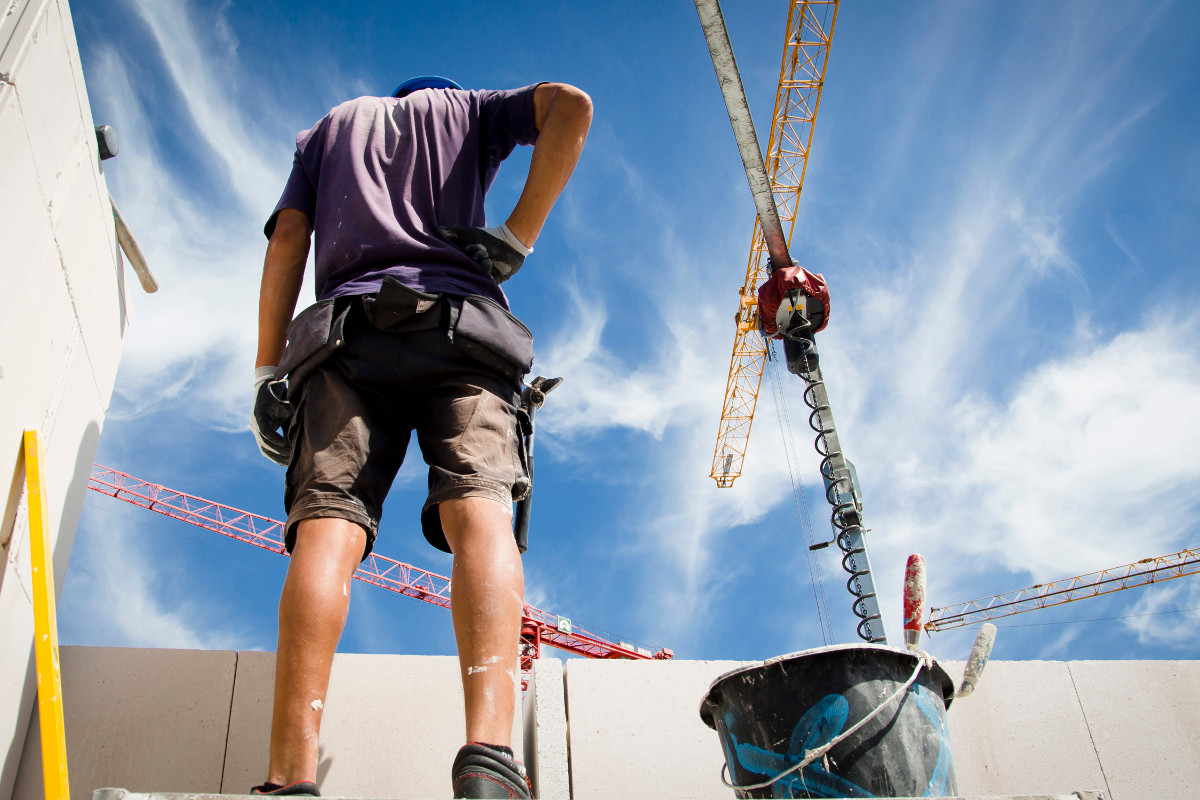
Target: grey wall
(62,321)
(199,721)
(193,721)
(635,729)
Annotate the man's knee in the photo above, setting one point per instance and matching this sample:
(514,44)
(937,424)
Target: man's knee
(330,538)
(476,518)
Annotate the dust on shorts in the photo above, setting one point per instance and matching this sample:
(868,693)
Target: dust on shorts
(354,418)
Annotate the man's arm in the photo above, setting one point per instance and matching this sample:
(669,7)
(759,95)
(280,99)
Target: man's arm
(562,115)
(283,272)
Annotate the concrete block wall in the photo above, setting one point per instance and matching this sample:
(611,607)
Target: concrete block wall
(197,722)
(63,318)
(1022,730)
(391,725)
(546,746)
(635,729)
(153,718)
(1144,720)
(1129,729)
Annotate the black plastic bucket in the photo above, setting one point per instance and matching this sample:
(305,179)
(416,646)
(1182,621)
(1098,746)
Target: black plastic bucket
(769,715)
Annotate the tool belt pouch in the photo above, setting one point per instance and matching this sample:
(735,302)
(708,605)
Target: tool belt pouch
(492,336)
(312,337)
(399,308)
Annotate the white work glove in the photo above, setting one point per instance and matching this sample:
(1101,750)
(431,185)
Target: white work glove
(268,416)
(497,250)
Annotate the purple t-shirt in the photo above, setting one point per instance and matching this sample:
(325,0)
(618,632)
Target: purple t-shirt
(378,175)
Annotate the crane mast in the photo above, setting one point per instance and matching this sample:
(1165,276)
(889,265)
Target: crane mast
(1044,595)
(801,76)
(537,627)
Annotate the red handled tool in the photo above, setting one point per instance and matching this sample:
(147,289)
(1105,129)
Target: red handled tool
(914,600)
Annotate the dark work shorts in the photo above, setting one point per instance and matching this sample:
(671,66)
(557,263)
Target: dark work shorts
(351,429)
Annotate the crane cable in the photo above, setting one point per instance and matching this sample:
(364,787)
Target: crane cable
(816,578)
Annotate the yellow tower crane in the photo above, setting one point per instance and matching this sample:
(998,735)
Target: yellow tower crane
(801,76)
(1044,595)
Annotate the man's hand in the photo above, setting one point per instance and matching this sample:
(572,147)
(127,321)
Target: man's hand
(494,249)
(268,416)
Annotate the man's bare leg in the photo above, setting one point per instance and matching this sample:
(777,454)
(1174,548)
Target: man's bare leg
(312,613)
(486,603)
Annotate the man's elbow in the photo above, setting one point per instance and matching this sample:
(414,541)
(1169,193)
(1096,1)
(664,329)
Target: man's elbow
(562,102)
(576,102)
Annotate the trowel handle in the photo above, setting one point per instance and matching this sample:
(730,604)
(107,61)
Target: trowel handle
(914,600)
(980,654)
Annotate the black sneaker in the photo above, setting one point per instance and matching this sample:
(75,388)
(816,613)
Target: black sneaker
(484,773)
(299,789)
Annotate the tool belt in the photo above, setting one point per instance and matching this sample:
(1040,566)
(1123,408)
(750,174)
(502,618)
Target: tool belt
(312,337)
(477,326)
(482,329)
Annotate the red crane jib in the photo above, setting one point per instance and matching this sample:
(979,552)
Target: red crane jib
(537,627)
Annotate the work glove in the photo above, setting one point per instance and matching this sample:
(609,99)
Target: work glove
(497,250)
(269,415)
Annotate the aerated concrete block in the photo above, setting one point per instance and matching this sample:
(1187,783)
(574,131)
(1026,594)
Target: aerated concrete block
(87,247)
(1021,732)
(45,84)
(145,720)
(635,729)
(391,725)
(1144,717)
(545,712)
(24,221)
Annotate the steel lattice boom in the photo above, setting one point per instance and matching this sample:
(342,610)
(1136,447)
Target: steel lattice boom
(537,627)
(801,76)
(1139,573)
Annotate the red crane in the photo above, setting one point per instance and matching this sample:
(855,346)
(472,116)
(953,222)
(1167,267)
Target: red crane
(537,627)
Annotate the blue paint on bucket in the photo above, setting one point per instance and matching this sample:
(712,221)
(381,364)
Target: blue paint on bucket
(769,716)
(940,779)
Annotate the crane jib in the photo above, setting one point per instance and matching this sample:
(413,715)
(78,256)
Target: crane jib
(719,47)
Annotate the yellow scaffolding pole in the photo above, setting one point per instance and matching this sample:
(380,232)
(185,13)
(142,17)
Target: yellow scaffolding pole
(45,628)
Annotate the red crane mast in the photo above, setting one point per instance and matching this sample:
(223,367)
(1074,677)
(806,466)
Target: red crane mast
(537,627)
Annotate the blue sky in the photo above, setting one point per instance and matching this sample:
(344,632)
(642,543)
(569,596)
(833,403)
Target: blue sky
(1004,199)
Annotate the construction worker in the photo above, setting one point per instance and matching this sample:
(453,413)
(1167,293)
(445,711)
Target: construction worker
(411,331)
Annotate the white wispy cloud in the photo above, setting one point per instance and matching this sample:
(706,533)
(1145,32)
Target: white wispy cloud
(1153,618)
(206,72)
(192,343)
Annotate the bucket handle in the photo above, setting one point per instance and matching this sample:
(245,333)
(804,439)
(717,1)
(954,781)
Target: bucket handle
(924,660)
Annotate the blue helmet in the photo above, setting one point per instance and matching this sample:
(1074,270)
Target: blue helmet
(424,82)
